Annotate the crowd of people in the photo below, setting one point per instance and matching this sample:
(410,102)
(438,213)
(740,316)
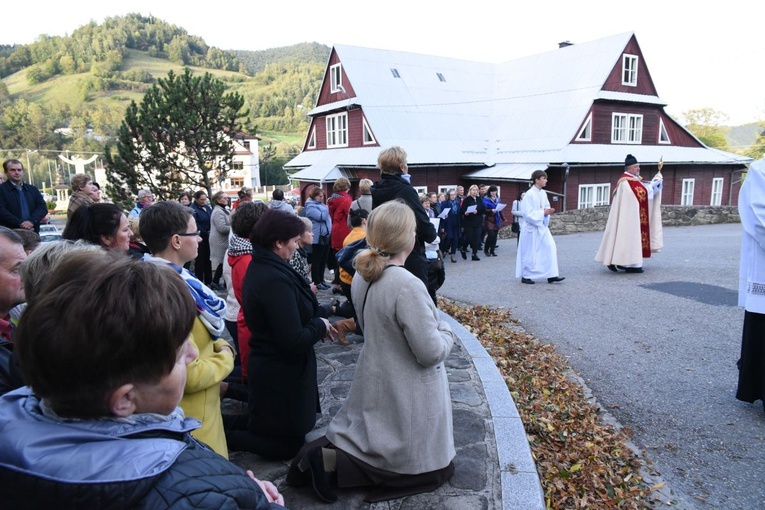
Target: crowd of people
(138,351)
(114,345)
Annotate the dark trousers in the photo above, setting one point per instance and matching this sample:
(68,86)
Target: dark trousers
(332,264)
(491,241)
(319,254)
(240,439)
(202,264)
(473,237)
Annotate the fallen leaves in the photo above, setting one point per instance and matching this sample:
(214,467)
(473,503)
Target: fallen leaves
(582,461)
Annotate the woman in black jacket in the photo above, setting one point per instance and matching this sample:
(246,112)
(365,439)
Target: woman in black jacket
(472,221)
(285,320)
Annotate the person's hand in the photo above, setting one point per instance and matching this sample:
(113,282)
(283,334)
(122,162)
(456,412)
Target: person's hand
(330,330)
(314,288)
(549,211)
(269,489)
(27,225)
(227,347)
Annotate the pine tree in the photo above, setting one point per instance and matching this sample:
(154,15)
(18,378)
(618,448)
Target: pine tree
(178,138)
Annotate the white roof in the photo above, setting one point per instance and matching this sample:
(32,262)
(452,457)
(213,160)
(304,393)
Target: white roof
(454,112)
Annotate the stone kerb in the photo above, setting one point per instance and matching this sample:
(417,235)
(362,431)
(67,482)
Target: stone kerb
(593,219)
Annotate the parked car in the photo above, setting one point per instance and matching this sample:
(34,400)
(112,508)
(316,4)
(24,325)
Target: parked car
(49,233)
(50,228)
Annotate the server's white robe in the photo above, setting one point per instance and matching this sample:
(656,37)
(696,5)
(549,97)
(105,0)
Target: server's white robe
(537,255)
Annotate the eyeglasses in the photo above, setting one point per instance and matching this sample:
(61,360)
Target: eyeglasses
(189,234)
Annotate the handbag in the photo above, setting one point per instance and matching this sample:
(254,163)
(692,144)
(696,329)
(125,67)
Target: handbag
(516,227)
(346,255)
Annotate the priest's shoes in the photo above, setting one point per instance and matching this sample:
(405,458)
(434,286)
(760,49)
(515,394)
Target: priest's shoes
(555,279)
(633,269)
(612,267)
(527,280)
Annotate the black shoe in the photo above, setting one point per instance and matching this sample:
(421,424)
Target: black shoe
(454,259)
(336,290)
(633,269)
(322,286)
(612,267)
(314,463)
(464,254)
(493,254)
(475,257)
(555,279)
(527,280)
(486,253)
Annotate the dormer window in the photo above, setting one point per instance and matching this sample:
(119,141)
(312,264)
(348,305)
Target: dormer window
(335,78)
(585,135)
(629,70)
(663,135)
(312,139)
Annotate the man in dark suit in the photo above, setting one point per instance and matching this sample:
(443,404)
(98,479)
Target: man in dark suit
(21,204)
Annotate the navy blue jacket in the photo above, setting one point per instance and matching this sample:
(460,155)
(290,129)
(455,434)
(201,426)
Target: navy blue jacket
(109,464)
(202,217)
(10,205)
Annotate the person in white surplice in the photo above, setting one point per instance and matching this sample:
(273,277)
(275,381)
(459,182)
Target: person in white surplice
(537,256)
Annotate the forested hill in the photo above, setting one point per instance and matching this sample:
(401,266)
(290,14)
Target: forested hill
(256,61)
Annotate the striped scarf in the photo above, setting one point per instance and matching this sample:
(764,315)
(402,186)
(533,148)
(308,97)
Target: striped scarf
(210,308)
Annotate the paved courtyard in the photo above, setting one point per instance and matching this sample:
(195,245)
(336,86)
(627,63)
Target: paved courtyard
(657,349)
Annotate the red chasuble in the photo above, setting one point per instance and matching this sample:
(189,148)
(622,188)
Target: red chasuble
(642,197)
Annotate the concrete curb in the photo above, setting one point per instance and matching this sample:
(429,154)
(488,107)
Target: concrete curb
(521,489)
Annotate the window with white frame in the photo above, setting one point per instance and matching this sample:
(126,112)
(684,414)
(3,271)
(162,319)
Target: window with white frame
(717,189)
(585,135)
(629,70)
(687,196)
(335,78)
(337,130)
(369,138)
(312,139)
(626,128)
(445,189)
(421,190)
(663,135)
(594,195)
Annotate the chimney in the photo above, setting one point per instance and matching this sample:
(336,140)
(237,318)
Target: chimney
(564,44)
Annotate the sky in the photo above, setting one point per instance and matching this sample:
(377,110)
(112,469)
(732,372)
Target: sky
(698,57)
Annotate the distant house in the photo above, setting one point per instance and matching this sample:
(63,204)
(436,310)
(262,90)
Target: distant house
(245,169)
(575,112)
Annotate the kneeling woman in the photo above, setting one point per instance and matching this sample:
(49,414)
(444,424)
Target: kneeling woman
(394,432)
(285,320)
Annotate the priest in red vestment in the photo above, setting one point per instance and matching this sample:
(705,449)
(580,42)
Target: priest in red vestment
(633,230)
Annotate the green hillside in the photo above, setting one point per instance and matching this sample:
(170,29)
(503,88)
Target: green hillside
(71,93)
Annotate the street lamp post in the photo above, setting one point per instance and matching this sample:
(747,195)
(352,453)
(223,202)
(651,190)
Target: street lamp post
(29,167)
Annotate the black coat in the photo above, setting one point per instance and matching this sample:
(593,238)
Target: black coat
(472,220)
(392,187)
(284,317)
(10,205)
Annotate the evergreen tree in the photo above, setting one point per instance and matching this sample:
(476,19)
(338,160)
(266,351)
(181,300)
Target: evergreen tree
(177,138)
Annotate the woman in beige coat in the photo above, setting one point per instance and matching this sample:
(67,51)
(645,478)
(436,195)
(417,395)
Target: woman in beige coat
(394,433)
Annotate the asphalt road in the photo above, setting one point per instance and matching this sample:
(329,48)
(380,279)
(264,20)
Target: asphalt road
(658,350)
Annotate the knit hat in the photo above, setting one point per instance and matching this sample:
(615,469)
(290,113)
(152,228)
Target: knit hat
(630,161)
